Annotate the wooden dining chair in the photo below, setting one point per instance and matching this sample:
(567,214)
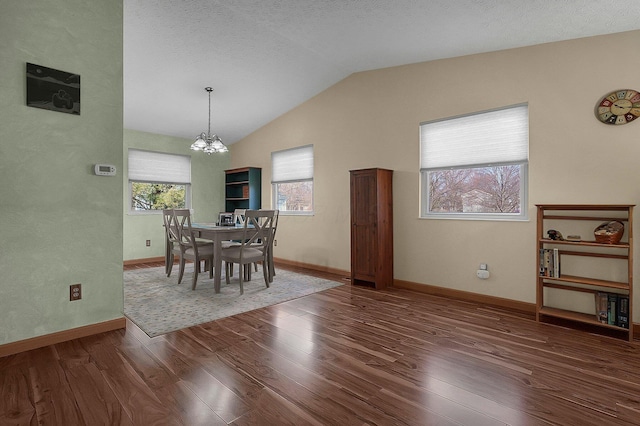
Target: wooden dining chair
(238,220)
(171,241)
(253,247)
(272,269)
(190,248)
(239,216)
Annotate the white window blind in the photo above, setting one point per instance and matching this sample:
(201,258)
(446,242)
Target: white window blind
(292,165)
(487,138)
(148,166)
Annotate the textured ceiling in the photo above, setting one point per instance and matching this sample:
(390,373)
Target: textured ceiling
(264,57)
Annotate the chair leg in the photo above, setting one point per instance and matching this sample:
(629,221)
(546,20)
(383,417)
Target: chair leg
(168,255)
(196,271)
(240,274)
(266,273)
(227,267)
(169,265)
(182,261)
(272,269)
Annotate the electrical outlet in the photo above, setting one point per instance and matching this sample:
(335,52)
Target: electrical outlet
(275,243)
(75,292)
(148,243)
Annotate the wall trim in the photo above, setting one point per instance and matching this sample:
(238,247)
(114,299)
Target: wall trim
(312,267)
(61,336)
(145,260)
(514,305)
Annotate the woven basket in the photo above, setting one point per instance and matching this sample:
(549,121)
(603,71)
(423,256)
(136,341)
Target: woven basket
(609,232)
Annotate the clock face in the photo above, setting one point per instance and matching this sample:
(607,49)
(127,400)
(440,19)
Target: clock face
(619,107)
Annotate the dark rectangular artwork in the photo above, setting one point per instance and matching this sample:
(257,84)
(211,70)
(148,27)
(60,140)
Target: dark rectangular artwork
(52,89)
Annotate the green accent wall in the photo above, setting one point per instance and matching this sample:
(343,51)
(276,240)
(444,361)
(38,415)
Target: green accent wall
(207,192)
(59,223)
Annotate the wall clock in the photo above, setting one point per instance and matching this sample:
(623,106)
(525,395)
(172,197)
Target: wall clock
(619,107)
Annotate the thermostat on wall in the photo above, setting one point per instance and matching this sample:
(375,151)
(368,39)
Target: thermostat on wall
(105,170)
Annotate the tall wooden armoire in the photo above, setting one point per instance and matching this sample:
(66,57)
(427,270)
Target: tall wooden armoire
(372,228)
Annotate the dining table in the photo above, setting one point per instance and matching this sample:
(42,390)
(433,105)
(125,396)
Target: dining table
(219,234)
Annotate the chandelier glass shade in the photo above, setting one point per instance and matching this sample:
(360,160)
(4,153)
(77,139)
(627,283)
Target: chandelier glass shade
(207,142)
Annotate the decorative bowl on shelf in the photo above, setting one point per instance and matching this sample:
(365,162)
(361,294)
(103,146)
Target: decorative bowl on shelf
(609,232)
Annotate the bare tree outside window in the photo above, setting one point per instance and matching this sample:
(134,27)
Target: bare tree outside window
(494,189)
(294,196)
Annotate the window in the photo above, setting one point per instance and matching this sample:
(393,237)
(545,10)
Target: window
(292,180)
(158,181)
(475,166)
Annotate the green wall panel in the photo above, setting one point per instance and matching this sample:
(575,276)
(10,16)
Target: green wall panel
(59,223)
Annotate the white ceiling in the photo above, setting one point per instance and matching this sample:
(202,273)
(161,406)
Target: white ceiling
(264,57)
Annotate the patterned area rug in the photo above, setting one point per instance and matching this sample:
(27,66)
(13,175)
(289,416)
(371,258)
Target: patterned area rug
(158,305)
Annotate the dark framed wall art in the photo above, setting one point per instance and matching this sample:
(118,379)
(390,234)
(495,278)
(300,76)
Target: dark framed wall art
(52,89)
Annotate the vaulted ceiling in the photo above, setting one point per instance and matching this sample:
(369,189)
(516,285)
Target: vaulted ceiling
(264,57)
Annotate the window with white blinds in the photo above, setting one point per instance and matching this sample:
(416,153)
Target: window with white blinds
(158,181)
(149,166)
(475,166)
(292,180)
(289,165)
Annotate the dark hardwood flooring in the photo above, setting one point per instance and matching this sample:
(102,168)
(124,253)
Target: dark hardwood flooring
(345,356)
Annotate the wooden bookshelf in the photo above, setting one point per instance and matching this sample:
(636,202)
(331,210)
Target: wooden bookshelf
(243,189)
(561,215)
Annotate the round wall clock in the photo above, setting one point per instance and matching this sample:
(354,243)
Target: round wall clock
(619,107)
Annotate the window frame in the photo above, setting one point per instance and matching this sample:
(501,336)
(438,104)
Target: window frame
(523,215)
(162,180)
(297,175)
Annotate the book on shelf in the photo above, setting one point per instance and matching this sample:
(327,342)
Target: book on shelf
(543,264)
(622,319)
(550,263)
(602,307)
(612,309)
(611,313)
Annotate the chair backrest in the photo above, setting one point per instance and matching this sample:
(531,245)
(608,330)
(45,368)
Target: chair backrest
(258,228)
(239,216)
(182,225)
(276,213)
(169,225)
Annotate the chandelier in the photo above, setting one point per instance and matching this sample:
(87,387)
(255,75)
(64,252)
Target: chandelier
(207,142)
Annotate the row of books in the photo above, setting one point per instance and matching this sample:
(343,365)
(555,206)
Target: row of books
(613,309)
(550,263)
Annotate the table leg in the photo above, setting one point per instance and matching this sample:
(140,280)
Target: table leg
(167,255)
(217,259)
(270,262)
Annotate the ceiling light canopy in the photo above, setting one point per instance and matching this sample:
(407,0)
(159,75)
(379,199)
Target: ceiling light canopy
(207,142)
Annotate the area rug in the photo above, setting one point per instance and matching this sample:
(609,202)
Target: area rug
(158,304)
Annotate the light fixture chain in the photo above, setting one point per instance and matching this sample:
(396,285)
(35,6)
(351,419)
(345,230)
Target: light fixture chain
(209,131)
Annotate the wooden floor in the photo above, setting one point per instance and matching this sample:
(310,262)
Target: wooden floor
(346,356)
